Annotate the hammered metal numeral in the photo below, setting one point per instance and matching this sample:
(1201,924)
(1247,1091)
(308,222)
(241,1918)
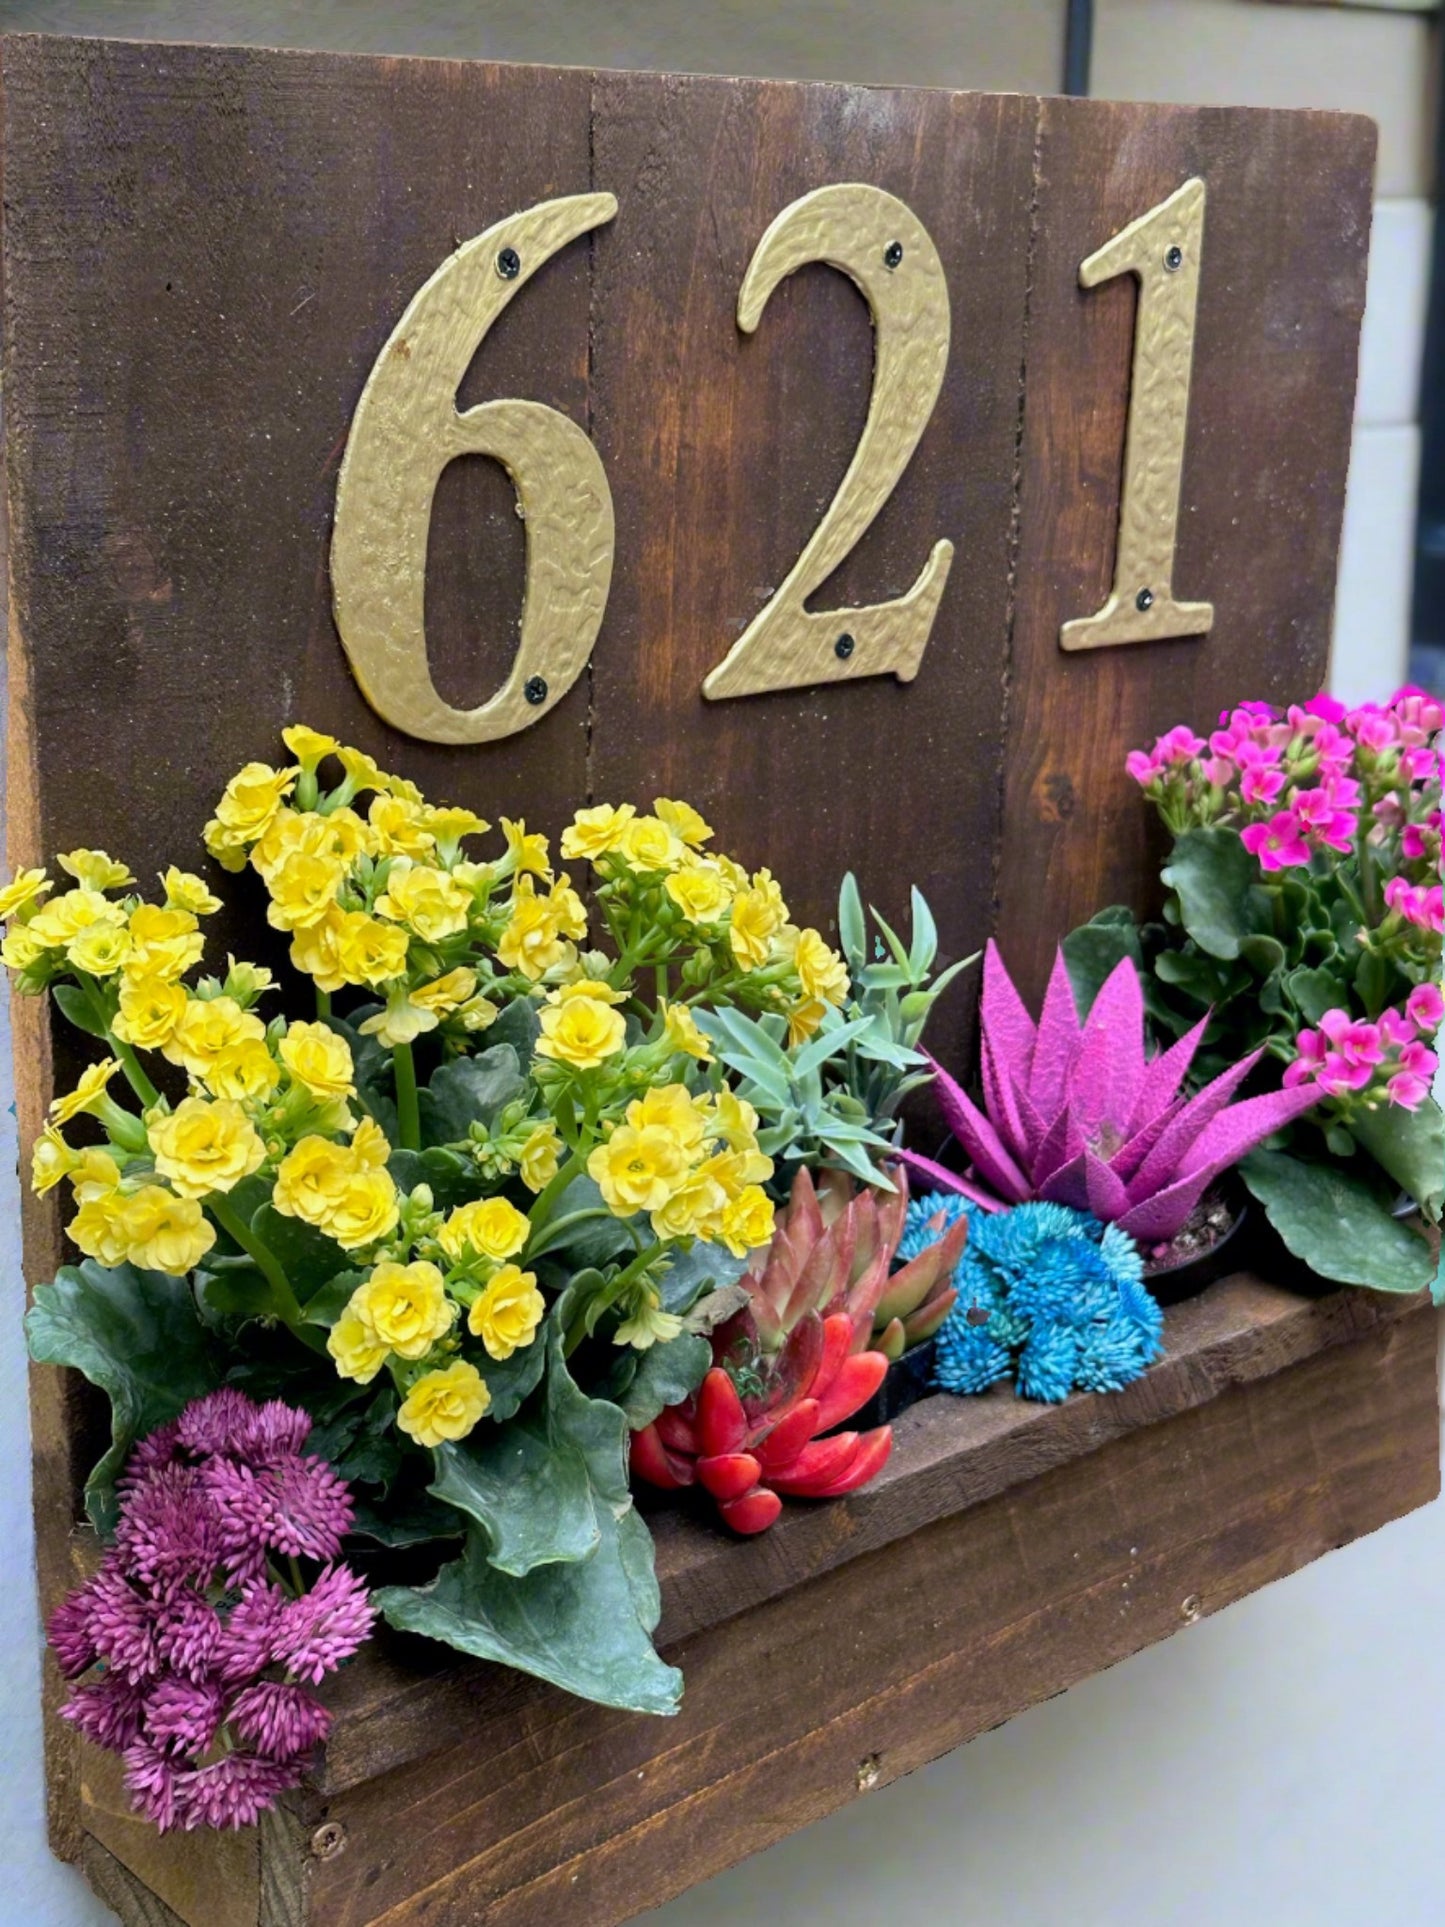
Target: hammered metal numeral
(406,429)
(884,247)
(1163,248)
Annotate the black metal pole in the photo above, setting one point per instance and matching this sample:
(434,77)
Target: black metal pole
(1078,46)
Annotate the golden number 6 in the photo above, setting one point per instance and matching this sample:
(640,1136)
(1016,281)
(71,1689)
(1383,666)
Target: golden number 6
(405,431)
(1164,249)
(872,237)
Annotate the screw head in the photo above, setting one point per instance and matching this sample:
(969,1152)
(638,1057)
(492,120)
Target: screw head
(535,689)
(1191,1608)
(328,1840)
(1174,259)
(509,264)
(1144,600)
(844,647)
(893,254)
(976,1315)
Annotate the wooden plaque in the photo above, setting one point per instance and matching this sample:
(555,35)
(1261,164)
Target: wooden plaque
(205,250)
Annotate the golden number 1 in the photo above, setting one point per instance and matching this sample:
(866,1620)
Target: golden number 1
(1163,248)
(406,429)
(885,248)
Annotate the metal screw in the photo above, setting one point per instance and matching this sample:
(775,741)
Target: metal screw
(869,1773)
(1192,1607)
(328,1840)
(976,1315)
(892,254)
(844,647)
(535,689)
(1174,259)
(1144,600)
(509,264)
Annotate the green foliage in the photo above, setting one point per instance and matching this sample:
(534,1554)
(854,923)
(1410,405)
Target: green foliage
(469,1090)
(809,1116)
(137,1335)
(556,1577)
(1339,1223)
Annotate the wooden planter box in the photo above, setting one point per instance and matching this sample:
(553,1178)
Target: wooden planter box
(1008,1551)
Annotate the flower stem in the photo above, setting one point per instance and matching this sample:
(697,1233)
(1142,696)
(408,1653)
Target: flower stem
(129,1062)
(408,1116)
(553,1189)
(323,1002)
(284,1303)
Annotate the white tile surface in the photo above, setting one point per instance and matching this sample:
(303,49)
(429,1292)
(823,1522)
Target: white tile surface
(1237,53)
(1372,607)
(1392,342)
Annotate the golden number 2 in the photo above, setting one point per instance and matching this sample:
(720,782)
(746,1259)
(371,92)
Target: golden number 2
(405,431)
(884,247)
(1163,248)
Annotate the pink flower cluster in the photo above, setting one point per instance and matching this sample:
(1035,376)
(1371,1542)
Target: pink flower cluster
(1347,1055)
(1307,780)
(192,1656)
(1418,903)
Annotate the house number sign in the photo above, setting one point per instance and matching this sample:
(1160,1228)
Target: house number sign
(407,427)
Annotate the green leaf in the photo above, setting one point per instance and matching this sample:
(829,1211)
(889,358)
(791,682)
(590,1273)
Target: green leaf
(328,1301)
(586,1628)
(518,1026)
(306,1255)
(597,1241)
(77,1008)
(414,1520)
(469,1090)
(512,1380)
(1198,975)
(706,1267)
(362,1441)
(852,925)
(1217,883)
(451,1175)
(924,947)
(1263,954)
(664,1375)
(1410,1146)
(1338,1223)
(1372,982)
(1314,991)
(1096,949)
(135,1334)
(239,1291)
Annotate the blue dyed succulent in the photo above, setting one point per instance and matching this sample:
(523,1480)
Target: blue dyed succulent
(1046,1294)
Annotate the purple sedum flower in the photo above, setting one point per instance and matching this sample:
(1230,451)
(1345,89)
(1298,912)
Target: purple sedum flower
(189,1648)
(1076,1114)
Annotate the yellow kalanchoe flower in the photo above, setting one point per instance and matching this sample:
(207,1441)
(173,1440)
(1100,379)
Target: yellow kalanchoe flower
(648,844)
(245,810)
(244,1071)
(399,828)
(303,887)
(406,1306)
(428,901)
(821,971)
(747,1223)
(316,950)
(95,1174)
(700,892)
(581,1031)
(25,887)
(595,832)
(679,1027)
(150,1009)
(758,914)
(186,891)
(647,1325)
(355,1347)
(101,950)
(638,1170)
(369,952)
(673,1109)
(21,947)
(64,918)
(804,1019)
(51,1159)
(308,746)
(487,1228)
(88,1093)
(366,1211)
(540,1157)
(165,1233)
(163,943)
(532,942)
(204,1147)
(94,870)
(684,820)
(362,772)
(319,1059)
(444,1405)
(312,1177)
(101,1229)
(207,1027)
(506,1315)
(528,854)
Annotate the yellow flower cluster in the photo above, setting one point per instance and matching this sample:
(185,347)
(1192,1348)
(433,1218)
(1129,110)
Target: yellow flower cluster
(344,1190)
(693,1164)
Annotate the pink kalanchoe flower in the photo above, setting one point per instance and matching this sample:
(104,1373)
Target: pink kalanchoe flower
(1372,728)
(1330,708)
(1356,1042)
(1407,1090)
(1278,844)
(1077,1114)
(1219,771)
(1396,1026)
(1142,766)
(1425,1007)
(1259,784)
(1179,745)
(1424,907)
(1321,815)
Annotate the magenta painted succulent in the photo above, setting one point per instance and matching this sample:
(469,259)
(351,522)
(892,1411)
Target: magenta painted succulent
(1077,1113)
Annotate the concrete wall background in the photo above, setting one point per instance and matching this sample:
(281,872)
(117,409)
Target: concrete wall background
(1277,1766)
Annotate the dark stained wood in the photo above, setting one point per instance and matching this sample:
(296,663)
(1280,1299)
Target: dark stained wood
(1281,294)
(723,450)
